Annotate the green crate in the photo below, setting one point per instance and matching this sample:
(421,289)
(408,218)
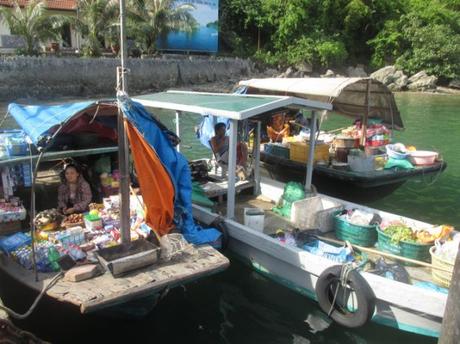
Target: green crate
(277,150)
(359,235)
(404,249)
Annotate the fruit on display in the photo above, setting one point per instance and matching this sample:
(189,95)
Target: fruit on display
(47,217)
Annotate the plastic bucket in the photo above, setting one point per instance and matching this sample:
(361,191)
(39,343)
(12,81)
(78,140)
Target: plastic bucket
(254,218)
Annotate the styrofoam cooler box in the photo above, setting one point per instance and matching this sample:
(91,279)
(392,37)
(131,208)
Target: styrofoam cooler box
(315,213)
(254,218)
(361,164)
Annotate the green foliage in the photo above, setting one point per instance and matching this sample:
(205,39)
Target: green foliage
(96,20)
(331,53)
(426,38)
(415,34)
(32,23)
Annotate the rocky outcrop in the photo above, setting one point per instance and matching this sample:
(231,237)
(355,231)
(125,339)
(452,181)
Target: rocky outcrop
(329,74)
(356,72)
(455,84)
(395,79)
(422,82)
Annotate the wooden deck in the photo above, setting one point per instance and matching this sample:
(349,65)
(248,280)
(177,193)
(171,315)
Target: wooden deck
(105,290)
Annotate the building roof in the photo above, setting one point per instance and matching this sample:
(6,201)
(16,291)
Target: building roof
(63,5)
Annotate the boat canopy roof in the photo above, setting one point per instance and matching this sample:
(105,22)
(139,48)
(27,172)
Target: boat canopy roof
(348,96)
(38,121)
(232,106)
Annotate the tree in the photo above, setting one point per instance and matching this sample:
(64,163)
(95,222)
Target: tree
(150,19)
(32,23)
(97,20)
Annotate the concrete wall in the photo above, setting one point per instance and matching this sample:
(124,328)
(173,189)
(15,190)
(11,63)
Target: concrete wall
(49,77)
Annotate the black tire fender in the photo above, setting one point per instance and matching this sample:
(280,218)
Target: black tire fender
(219,224)
(325,290)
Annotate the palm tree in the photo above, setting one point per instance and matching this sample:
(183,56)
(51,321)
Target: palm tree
(33,23)
(150,19)
(96,20)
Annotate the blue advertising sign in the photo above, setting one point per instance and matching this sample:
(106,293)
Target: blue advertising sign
(202,23)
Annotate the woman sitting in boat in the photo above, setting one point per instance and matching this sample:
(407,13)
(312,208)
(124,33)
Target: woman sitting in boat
(74,194)
(278,128)
(220,145)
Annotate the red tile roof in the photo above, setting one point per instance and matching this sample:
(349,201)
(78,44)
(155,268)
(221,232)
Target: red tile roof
(66,5)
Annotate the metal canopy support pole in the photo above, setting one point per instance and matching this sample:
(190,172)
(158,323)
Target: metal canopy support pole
(257,159)
(232,169)
(122,138)
(178,129)
(366,115)
(311,151)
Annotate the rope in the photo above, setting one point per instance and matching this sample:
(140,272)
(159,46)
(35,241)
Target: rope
(35,303)
(344,273)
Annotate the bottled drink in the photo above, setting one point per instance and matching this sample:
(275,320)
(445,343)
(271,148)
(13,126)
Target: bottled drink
(53,257)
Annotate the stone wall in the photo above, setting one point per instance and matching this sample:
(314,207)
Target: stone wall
(49,77)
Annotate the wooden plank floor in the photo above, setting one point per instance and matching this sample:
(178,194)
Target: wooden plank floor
(105,290)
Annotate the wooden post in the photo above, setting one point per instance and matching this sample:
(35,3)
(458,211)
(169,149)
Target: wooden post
(450,330)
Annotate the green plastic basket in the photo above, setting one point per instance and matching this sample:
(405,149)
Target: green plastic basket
(359,235)
(403,248)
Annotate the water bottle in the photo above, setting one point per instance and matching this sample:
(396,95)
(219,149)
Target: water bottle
(53,257)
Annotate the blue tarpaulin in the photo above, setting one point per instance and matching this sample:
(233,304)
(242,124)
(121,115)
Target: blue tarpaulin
(177,166)
(36,121)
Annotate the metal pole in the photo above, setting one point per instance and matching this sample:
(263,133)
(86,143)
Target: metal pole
(178,129)
(450,330)
(311,151)
(232,169)
(123,149)
(366,115)
(257,159)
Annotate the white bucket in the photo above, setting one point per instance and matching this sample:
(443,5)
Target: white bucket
(254,218)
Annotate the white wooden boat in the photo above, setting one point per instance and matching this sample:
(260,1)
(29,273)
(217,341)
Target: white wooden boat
(403,306)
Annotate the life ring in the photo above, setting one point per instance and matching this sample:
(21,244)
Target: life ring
(219,224)
(329,291)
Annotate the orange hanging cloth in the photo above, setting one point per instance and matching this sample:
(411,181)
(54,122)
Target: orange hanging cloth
(155,183)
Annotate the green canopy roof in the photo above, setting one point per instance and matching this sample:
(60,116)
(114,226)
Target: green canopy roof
(234,106)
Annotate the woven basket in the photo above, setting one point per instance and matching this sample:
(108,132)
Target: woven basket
(442,278)
(404,249)
(359,235)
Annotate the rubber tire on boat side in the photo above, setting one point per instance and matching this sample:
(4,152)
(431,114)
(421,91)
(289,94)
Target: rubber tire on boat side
(364,295)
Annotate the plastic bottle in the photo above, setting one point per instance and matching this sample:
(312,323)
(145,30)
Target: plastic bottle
(53,257)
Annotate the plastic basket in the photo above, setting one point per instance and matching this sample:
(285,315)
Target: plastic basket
(404,249)
(359,235)
(442,278)
(315,212)
(299,152)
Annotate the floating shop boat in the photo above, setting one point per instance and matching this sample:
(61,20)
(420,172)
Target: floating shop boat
(366,296)
(358,98)
(136,271)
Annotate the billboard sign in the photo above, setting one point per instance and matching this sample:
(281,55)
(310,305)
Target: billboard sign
(203,37)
